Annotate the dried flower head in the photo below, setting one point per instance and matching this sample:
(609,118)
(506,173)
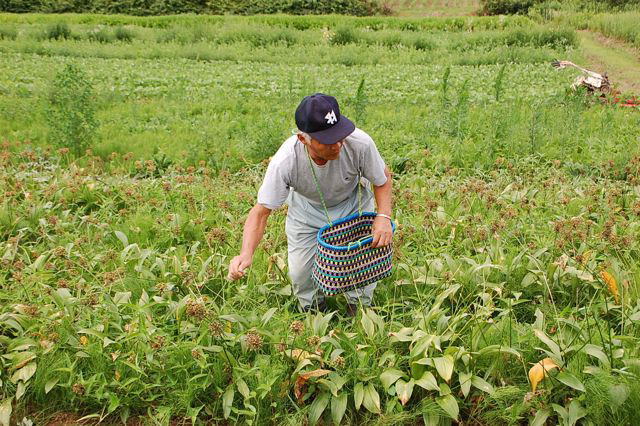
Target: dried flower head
(254,341)
(339,362)
(78,389)
(157,342)
(216,328)
(297,327)
(197,309)
(313,340)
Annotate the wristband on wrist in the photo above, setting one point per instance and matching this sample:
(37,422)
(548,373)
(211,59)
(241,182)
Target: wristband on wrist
(384,215)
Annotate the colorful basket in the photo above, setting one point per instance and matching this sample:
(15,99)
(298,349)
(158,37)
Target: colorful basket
(344,258)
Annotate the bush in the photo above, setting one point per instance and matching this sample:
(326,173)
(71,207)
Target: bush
(71,110)
(123,34)
(8,32)
(171,7)
(506,7)
(58,31)
(100,34)
(344,35)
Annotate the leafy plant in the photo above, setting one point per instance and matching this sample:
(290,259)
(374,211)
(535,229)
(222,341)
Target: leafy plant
(71,109)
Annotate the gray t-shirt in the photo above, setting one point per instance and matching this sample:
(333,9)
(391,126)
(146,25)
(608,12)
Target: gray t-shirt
(289,169)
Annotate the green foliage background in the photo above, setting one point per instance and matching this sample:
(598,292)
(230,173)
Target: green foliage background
(168,7)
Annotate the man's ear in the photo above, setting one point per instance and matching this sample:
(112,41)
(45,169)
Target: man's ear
(302,139)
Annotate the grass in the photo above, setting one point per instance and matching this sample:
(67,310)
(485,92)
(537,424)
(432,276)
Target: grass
(415,8)
(512,196)
(621,64)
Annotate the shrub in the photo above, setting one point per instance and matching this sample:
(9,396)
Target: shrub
(71,109)
(58,31)
(100,34)
(8,32)
(344,35)
(171,7)
(123,34)
(423,43)
(506,7)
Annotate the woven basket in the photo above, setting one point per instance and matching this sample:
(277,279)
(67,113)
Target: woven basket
(344,259)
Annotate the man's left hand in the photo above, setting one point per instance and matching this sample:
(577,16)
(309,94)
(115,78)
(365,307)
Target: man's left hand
(382,232)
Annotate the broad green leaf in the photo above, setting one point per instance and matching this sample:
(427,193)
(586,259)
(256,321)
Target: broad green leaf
(444,366)
(570,380)
(5,411)
(317,407)
(597,352)
(368,325)
(50,384)
(481,384)
(267,315)
(227,401)
(389,377)
(493,349)
(330,386)
(20,390)
(358,395)
(431,419)
(337,379)
(428,382)
(619,394)
(404,390)
(24,373)
(122,237)
(553,346)
(371,399)
(576,412)
(541,417)
(122,297)
(449,404)
(402,335)
(338,407)
(114,403)
(243,388)
(465,383)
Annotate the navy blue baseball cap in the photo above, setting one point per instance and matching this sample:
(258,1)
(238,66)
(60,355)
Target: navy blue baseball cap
(319,116)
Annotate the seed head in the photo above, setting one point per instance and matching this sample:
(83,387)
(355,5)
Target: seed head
(216,328)
(339,362)
(254,341)
(313,340)
(78,389)
(297,327)
(157,342)
(197,309)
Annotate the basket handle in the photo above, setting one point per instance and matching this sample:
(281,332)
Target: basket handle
(324,205)
(359,242)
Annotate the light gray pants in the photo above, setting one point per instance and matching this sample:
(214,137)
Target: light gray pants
(302,225)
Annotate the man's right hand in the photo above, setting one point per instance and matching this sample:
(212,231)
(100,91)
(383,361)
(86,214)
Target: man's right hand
(238,266)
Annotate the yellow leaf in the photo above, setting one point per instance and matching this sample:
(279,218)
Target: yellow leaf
(536,373)
(227,327)
(299,355)
(302,380)
(84,340)
(611,283)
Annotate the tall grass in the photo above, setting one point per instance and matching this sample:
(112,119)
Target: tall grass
(623,26)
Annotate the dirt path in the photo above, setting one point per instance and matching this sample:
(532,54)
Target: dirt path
(618,60)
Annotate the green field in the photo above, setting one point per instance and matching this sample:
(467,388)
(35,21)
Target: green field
(517,203)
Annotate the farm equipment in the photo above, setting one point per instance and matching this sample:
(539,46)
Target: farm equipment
(597,84)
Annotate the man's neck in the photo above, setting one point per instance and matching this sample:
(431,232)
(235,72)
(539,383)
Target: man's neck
(319,161)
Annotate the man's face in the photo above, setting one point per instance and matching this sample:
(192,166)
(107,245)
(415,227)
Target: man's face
(326,152)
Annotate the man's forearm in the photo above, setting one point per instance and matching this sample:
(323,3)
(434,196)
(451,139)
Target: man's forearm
(253,231)
(383,195)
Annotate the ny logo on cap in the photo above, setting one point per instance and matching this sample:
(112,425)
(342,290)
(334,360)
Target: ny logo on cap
(331,117)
